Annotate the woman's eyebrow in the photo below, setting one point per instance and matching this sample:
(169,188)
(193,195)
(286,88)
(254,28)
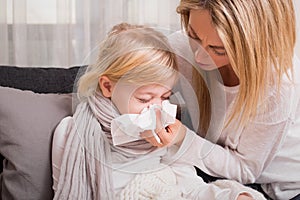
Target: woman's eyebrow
(193,31)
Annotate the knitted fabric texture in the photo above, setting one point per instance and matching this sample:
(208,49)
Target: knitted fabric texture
(160,185)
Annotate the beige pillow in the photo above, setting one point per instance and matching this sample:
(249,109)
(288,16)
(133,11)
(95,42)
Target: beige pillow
(27,122)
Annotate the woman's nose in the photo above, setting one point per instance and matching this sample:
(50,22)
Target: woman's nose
(202,56)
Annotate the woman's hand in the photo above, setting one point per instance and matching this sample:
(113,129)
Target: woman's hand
(172,134)
(244,196)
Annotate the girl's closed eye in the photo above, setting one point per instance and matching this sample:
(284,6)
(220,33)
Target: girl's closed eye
(143,100)
(167,96)
(142,97)
(147,100)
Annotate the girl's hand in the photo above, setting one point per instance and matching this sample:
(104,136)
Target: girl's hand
(172,134)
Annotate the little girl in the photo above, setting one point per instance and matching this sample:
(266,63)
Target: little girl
(133,77)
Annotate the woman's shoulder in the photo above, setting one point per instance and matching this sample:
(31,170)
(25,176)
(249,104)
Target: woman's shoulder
(279,103)
(292,77)
(290,87)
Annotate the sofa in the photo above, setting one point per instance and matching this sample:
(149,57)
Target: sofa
(32,103)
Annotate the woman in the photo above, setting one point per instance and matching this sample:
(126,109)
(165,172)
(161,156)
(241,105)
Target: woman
(252,46)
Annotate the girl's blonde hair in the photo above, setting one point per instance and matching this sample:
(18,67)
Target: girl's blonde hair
(259,38)
(135,54)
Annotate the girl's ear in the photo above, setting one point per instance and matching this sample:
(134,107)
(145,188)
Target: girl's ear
(106,86)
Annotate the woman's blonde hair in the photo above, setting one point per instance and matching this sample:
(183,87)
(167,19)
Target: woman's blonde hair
(259,38)
(133,53)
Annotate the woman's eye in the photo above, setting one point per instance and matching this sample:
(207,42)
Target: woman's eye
(219,53)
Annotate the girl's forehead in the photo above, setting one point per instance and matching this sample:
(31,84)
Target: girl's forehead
(125,85)
(153,88)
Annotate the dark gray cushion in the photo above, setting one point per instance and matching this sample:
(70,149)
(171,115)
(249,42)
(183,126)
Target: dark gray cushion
(39,80)
(27,122)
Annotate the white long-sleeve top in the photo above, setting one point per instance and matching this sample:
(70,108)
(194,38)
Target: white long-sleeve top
(168,170)
(266,151)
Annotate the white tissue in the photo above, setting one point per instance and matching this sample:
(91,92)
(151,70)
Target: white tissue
(127,128)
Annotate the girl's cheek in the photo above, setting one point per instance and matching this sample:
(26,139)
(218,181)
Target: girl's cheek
(136,107)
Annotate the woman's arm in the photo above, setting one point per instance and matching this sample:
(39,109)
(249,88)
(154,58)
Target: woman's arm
(193,186)
(242,157)
(255,149)
(245,153)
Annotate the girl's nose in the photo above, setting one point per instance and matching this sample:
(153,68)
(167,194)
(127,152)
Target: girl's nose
(157,101)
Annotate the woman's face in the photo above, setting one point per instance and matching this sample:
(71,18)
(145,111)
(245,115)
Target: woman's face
(203,36)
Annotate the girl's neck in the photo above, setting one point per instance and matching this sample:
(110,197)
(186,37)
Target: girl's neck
(230,79)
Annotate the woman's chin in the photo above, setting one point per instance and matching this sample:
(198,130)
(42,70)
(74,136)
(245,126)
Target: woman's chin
(206,67)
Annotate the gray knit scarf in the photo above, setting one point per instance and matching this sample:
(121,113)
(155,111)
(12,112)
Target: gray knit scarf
(86,168)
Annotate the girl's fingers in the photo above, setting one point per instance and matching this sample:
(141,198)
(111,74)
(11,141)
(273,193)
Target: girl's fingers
(159,124)
(148,136)
(173,134)
(164,136)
